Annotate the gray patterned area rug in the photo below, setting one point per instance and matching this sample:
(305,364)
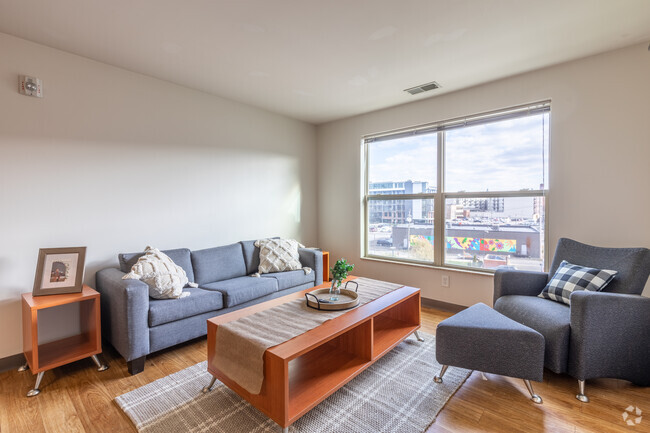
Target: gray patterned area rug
(395,394)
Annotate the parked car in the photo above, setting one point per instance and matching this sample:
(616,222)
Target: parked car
(384,242)
(494,261)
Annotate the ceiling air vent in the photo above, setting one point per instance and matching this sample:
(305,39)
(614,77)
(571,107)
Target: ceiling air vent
(423,88)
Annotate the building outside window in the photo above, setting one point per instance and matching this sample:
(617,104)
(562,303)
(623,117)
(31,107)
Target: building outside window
(478,184)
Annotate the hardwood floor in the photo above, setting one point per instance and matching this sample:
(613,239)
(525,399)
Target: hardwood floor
(77,398)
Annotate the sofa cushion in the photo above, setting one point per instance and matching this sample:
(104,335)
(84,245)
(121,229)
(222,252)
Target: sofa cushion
(219,263)
(251,256)
(289,279)
(180,256)
(238,290)
(169,310)
(549,318)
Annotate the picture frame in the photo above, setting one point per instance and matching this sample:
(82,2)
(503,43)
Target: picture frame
(59,270)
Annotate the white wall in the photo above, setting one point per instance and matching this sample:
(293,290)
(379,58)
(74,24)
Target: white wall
(115,161)
(599,162)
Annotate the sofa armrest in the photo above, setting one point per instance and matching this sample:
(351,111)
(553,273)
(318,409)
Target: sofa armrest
(610,336)
(125,309)
(314,260)
(512,282)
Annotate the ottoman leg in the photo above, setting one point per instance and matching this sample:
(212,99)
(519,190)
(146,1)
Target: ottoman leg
(438,378)
(581,396)
(534,397)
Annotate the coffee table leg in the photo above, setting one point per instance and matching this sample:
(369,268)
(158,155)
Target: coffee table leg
(417,336)
(208,388)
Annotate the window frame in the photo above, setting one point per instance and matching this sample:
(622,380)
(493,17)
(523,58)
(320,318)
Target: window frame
(440,196)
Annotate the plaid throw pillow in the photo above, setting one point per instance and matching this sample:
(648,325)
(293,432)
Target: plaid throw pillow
(569,278)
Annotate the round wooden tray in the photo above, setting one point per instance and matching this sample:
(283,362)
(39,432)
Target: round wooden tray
(320,300)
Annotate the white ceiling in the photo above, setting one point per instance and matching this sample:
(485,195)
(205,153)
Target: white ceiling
(323,60)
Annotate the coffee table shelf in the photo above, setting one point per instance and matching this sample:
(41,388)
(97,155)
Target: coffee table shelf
(305,370)
(393,325)
(325,368)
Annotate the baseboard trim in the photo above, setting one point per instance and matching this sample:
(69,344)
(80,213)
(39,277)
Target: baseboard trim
(440,305)
(11,362)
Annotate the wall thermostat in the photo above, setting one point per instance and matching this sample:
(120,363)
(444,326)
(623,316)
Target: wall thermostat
(30,86)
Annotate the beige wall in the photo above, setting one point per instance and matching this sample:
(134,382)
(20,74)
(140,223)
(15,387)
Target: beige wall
(599,173)
(115,161)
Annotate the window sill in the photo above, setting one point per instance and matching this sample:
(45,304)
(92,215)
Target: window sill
(483,272)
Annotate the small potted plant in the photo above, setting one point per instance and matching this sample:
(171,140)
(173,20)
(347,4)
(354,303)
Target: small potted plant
(339,273)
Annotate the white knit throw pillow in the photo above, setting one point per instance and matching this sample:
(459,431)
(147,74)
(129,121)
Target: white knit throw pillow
(164,277)
(278,255)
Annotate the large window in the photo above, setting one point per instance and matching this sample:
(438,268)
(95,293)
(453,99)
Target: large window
(477,184)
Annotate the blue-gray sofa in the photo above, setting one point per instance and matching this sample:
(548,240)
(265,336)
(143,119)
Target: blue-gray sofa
(137,325)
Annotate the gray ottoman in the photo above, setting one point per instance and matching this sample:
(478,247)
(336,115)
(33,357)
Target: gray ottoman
(480,338)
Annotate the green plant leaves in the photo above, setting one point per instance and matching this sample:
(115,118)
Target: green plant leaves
(340,270)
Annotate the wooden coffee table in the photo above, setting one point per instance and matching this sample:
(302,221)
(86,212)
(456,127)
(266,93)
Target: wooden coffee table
(303,371)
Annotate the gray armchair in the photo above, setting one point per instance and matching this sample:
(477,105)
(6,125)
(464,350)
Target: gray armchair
(602,334)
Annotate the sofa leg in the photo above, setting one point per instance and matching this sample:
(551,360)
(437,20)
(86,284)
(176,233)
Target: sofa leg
(581,396)
(137,365)
(438,378)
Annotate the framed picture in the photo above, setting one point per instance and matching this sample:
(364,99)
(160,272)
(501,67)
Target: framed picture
(59,270)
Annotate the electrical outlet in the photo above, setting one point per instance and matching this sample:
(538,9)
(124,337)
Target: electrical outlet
(445,281)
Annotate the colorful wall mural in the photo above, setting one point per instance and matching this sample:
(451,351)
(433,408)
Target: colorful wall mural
(479,244)
(472,244)
(415,238)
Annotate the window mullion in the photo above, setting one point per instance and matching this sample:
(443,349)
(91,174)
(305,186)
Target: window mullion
(438,205)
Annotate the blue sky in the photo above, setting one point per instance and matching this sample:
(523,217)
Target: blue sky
(499,156)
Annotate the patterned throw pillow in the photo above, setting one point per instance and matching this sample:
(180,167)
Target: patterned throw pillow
(164,277)
(278,255)
(570,278)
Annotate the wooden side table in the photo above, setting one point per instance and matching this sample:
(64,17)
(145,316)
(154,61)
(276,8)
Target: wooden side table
(326,266)
(43,357)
